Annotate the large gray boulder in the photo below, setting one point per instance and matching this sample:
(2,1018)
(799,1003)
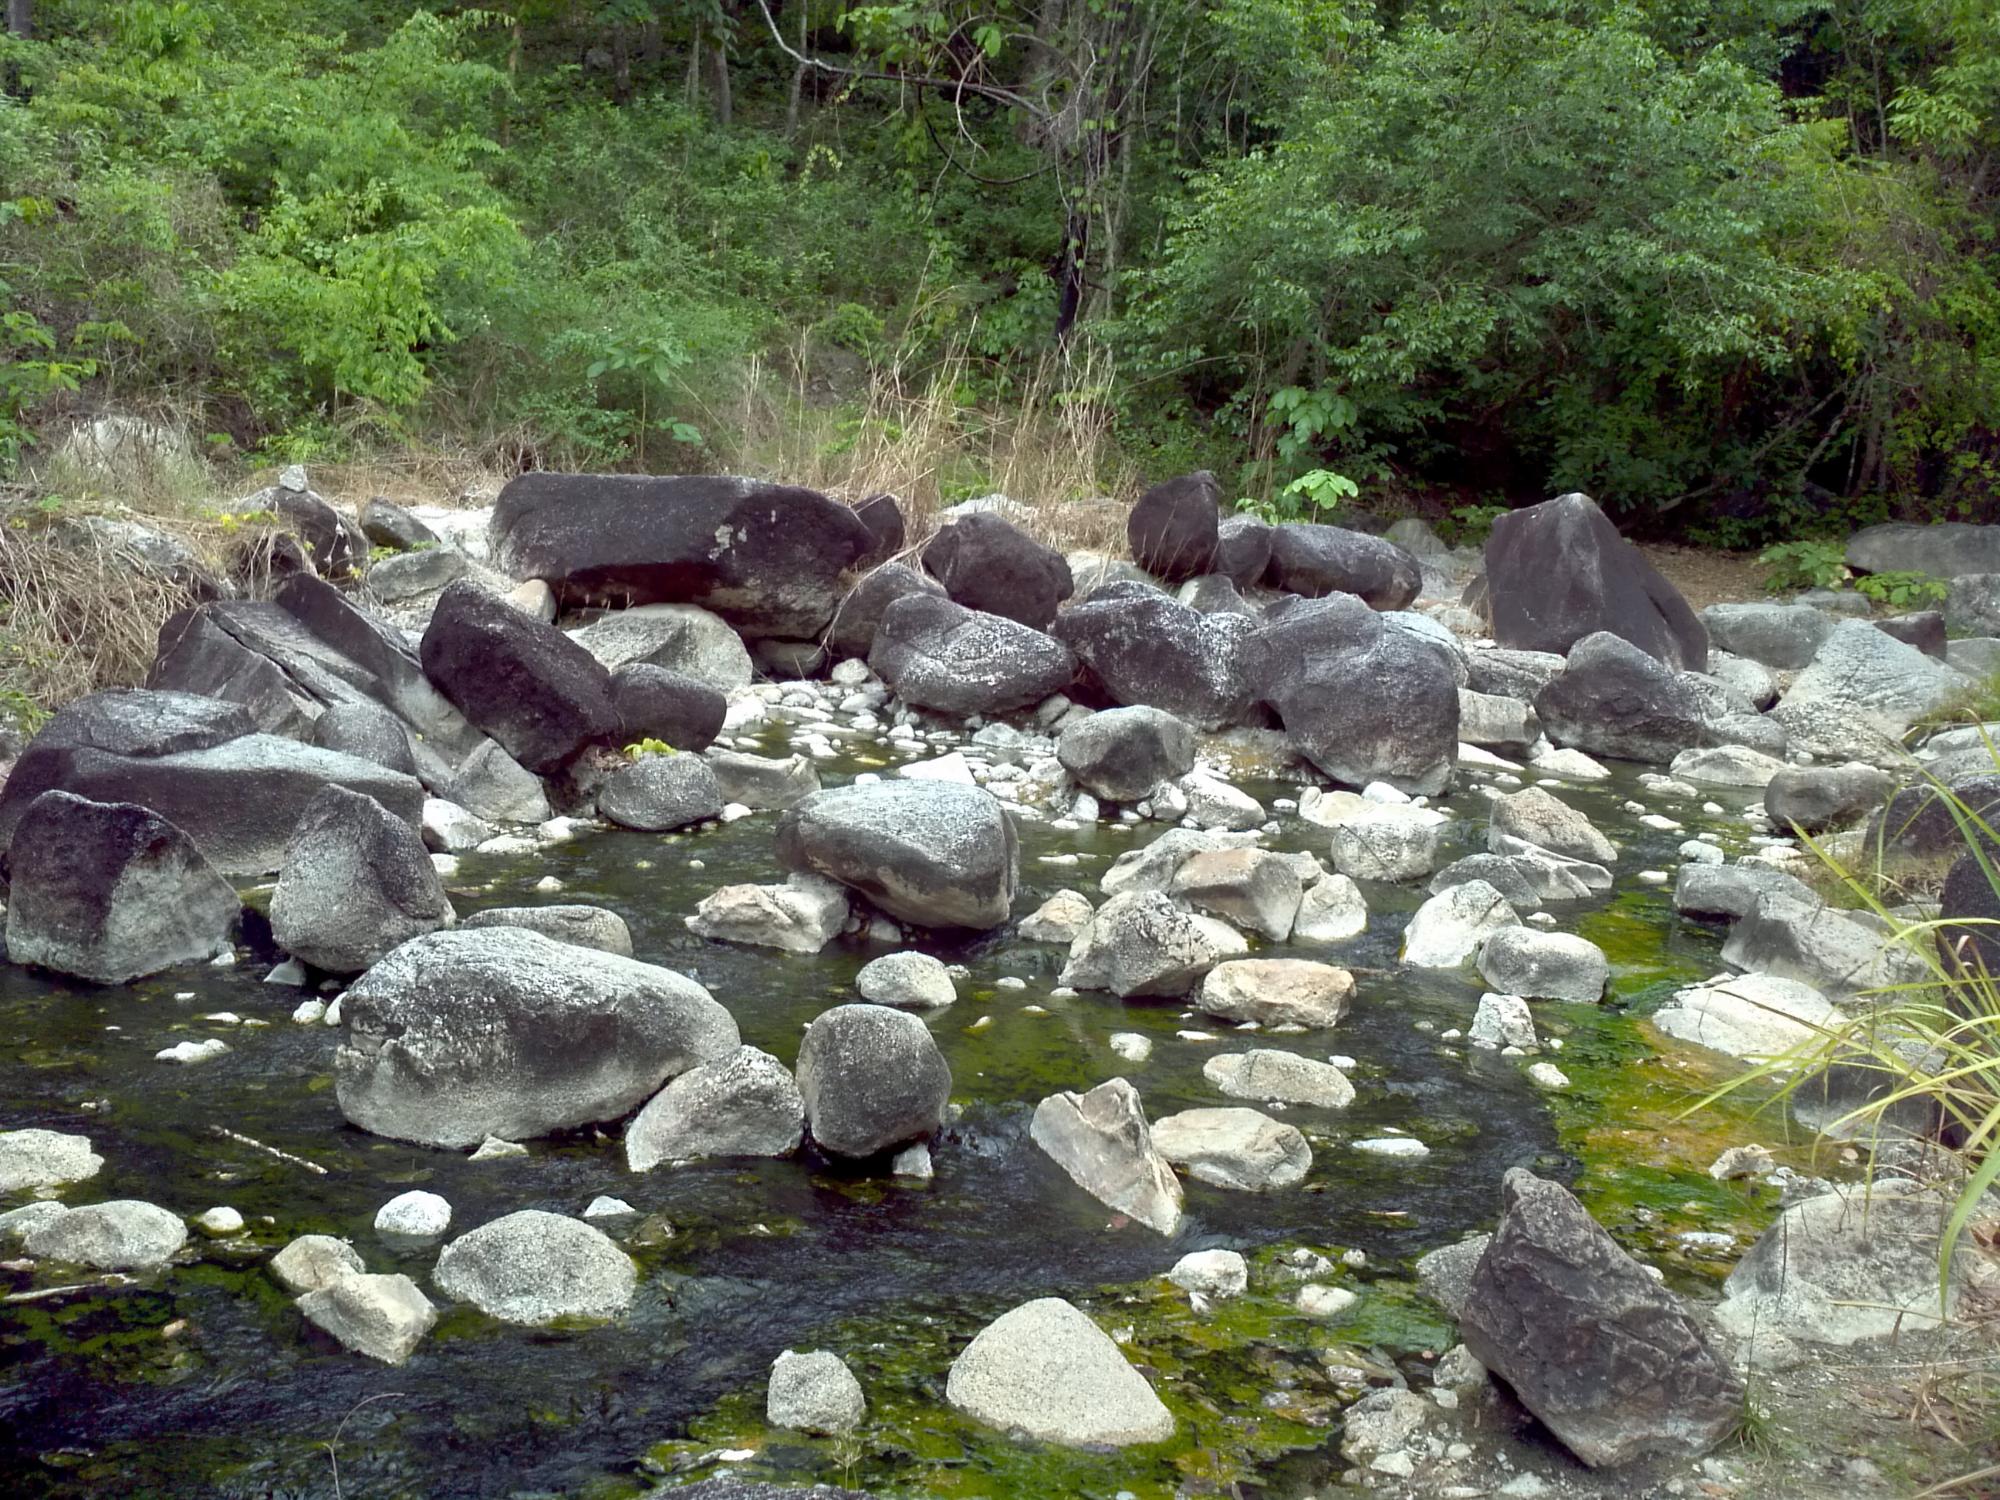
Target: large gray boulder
(859,616)
(1511,674)
(123,1234)
(1142,647)
(1749,1015)
(492,784)
(927,852)
(1315,560)
(542,696)
(1544,965)
(1614,699)
(1851,1264)
(357,882)
(1862,679)
(1943,549)
(456,1036)
(535,1268)
(1101,1140)
(801,916)
(1362,700)
(655,793)
(1836,952)
(1559,572)
(1450,927)
(1277,992)
(871,1078)
(367,731)
(1784,636)
(745,1104)
(682,638)
(1121,754)
(938,654)
(1046,1371)
(1172,528)
(813,1392)
(762,782)
(1242,550)
(111,892)
(768,558)
(989,564)
(1252,888)
(580,926)
(36,1159)
(1604,1355)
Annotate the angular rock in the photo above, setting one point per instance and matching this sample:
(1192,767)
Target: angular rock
(1494,722)
(937,654)
(314,1261)
(813,1392)
(1862,677)
(492,784)
(1592,1345)
(1060,919)
(656,793)
(1613,699)
(383,1317)
(1252,888)
(387,524)
(529,686)
(36,1159)
(1556,877)
(883,516)
(1508,875)
(579,926)
(456,1036)
(1046,1371)
(1314,560)
(1833,951)
(1536,817)
(1242,550)
(357,882)
(1750,1015)
(1502,1021)
(123,1234)
(1331,910)
(859,617)
(768,558)
(658,703)
(913,981)
(871,1078)
(1141,943)
(1511,674)
(535,1268)
(1448,929)
(1102,1141)
(1277,991)
(1784,636)
(989,564)
(1121,754)
(1152,868)
(763,783)
(679,637)
(1924,629)
(111,892)
(1544,965)
(1143,648)
(1816,798)
(745,1104)
(929,853)
(1734,890)
(1559,572)
(1244,1150)
(1755,682)
(1279,1077)
(801,916)
(1172,528)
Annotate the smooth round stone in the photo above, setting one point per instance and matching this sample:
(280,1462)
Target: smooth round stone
(414,1215)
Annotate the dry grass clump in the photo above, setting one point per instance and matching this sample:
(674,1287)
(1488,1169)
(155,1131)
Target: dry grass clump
(916,434)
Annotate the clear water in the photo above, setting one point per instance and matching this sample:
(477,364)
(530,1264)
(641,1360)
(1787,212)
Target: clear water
(103,1394)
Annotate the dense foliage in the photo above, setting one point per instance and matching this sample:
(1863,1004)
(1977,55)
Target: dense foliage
(1728,264)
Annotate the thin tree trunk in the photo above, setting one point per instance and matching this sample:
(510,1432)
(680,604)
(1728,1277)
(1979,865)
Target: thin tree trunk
(21,18)
(694,69)
(723,103)
(798,77)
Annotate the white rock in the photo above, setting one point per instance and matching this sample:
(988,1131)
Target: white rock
(1502,1021)
(414,1215)
(1131,1046)
(192,1052)
(814,1392)
(1324,1301)
(221,1221)
(913,981)
(1546,1075)
(1393,1145)
(1047,1371)
(1212,1273)
(36,1159)
(1449,927)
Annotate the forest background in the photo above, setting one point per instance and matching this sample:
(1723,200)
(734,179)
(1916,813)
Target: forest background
(1728,265)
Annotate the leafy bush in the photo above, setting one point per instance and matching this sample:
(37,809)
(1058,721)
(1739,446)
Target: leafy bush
(1903,591)
(1804,565)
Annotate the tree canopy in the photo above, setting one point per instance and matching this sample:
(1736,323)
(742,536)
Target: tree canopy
(1729,265)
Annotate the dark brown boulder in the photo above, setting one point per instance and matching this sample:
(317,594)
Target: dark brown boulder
(1172,528)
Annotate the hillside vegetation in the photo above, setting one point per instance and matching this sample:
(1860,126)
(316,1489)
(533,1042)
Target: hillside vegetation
(1727,264)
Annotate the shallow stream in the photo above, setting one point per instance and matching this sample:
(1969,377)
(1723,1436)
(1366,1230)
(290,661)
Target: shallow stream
(205,1380)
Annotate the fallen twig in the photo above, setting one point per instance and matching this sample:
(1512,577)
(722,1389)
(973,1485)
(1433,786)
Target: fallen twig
(257,1145)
